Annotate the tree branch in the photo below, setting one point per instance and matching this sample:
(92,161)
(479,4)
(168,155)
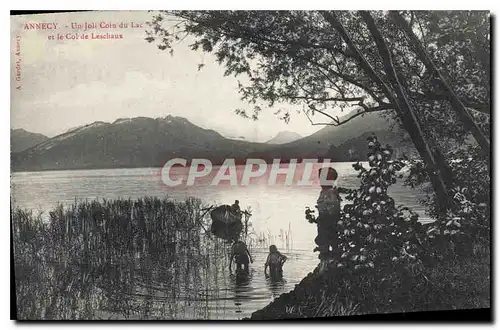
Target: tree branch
(270,44)
(313,123)
(360,113)
(338,122)
(332,19)
(323,99)
(484,108)
(347,78)
(456,103)
(322,112)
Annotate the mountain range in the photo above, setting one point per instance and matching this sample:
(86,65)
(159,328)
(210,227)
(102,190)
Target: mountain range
(21,139)
(284,137)
(148,142)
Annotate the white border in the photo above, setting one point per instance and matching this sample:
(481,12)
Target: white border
(257,4)
(189,4)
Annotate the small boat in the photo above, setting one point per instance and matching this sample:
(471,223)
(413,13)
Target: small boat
(226,224)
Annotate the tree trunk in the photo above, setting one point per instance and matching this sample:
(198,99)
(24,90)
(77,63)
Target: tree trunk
(410,122)
(412,125)
(456,104)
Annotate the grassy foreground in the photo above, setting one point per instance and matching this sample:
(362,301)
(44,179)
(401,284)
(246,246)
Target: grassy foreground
(120,259)
(457,282)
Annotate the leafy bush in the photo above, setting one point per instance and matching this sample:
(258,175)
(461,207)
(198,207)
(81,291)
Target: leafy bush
(374,232)
(468,218)
(387,255)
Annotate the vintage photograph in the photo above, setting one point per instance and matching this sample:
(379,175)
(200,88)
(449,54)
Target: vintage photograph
(250,165)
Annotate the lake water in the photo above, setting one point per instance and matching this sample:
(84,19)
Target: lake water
(277,217)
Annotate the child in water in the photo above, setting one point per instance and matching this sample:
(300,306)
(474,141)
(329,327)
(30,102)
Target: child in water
(275,261)
(329,214)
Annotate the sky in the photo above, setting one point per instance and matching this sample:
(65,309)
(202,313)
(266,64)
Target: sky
(69,83)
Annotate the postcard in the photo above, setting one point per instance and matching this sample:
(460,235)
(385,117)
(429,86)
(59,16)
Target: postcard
(251,165)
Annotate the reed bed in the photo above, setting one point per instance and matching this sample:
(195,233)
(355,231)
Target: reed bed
(283,240)
(126,259)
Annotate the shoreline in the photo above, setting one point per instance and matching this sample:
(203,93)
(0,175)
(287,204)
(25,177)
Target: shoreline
(315,296)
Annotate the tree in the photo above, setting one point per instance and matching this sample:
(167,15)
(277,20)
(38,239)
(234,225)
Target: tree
(357,62)
(449,94)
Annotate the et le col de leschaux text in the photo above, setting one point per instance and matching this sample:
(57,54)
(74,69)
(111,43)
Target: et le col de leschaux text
(83,31)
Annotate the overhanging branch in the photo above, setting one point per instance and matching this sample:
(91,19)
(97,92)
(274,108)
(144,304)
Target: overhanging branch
(323,99)
(336,121)
(484,108)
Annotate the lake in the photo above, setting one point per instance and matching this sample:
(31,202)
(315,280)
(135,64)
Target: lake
(277,218)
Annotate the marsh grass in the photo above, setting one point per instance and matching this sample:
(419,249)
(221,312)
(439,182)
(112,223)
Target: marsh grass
(132,259)
(284,239)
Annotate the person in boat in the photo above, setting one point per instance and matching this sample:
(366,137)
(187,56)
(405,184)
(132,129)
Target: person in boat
(241,256)
(274,262)
(227,221)
(235,209)
(328,205)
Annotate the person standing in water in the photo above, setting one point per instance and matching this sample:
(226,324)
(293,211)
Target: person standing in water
(241,255)
(328,205)
(275,261)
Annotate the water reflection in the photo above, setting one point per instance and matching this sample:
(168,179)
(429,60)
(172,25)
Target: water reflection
(275,284)
(241,287)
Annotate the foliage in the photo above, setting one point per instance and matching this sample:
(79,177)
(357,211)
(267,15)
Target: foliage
(469,213)
(459,41)
(281,56)
(374,232)
(298,57)
(388,261)
(384,249)
(458,44)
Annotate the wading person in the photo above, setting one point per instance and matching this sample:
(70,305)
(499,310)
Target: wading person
(328,205)
(275,261)
(241,256)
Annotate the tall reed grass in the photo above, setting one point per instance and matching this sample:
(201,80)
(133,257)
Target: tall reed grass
(132,259)
(283,240)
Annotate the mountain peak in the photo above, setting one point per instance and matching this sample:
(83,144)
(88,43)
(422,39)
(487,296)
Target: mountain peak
(19,130)
(177,119)
(21,139)
(284,137)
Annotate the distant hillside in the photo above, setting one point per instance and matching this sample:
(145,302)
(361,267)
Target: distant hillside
(357,148)
(234,137)
(131,142)
(318,144)
(284,137)
(21,139)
